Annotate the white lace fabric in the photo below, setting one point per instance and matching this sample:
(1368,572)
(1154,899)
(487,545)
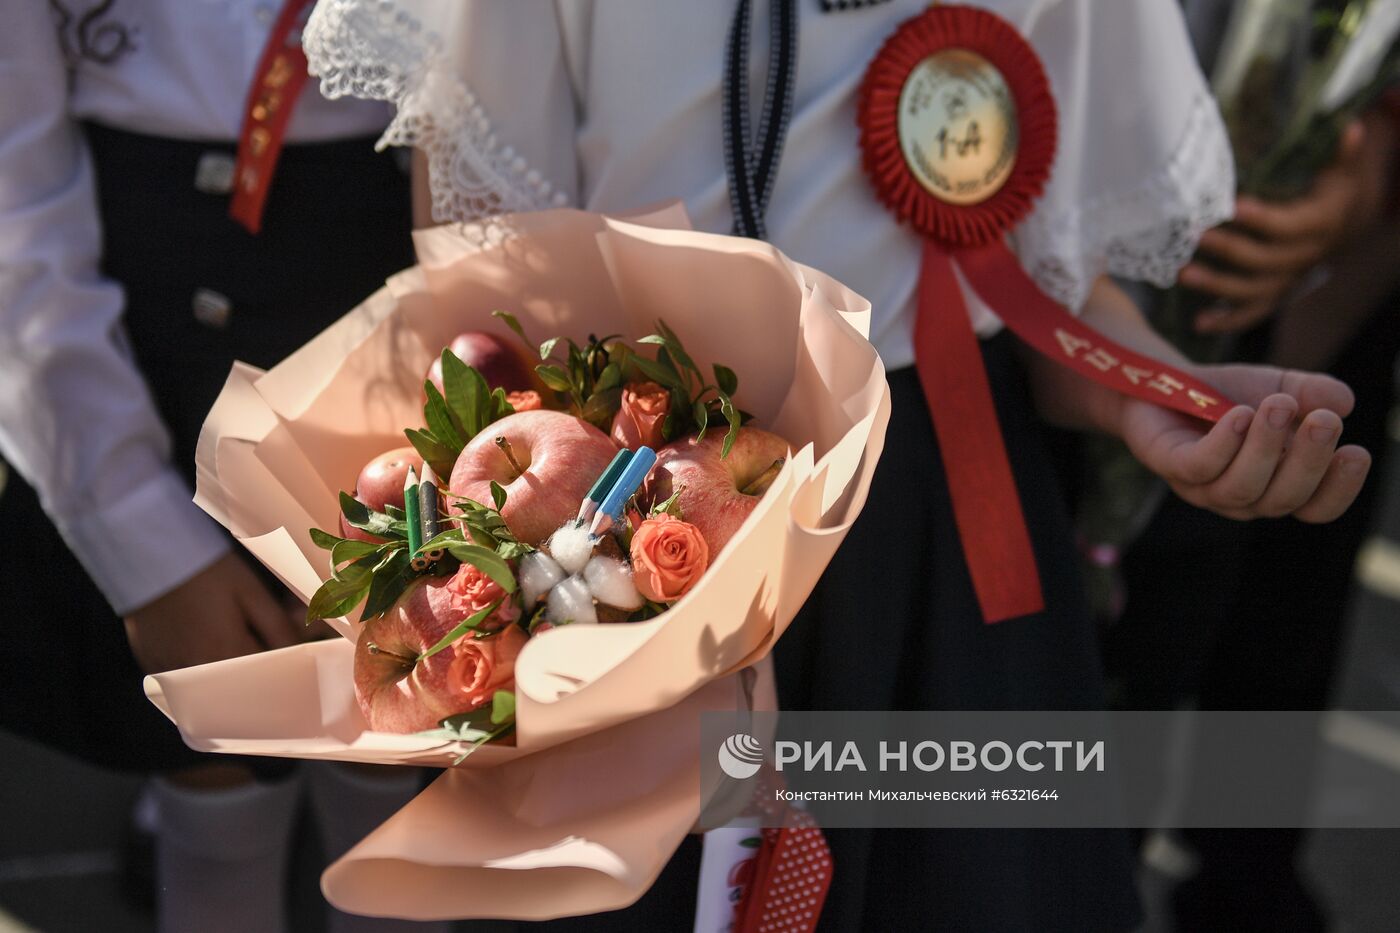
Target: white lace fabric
(1146,233)
(381,50)
(598,100)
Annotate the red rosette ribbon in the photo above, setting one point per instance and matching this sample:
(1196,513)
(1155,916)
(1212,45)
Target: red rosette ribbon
(965,234)
(997,41)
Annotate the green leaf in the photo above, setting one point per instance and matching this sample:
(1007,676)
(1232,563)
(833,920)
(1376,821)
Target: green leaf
(513,550)
(601,406)
(390,580)
(450,536)
(702,418)
(731,414)
(441,420)
(487,561)
(462,628)
(671,506)
(375,523)
(470,726)
(347,550)
(394,512)
(726,380)
(338,595)
(676,348)
(498,495)
(499,407)
(324,540)
(659,372)
(502,707)
(547,348)
(355,511)
(467,394)
(609,378)
(442,457)
(555,377)
(512,323)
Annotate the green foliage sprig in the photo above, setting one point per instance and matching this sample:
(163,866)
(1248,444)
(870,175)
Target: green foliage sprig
(452,417)
(485,723)
(695,403)
(586,378)
(378,573)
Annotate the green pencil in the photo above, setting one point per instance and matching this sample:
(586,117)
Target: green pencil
(413,516)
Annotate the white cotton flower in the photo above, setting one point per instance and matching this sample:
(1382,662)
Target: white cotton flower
(571,601)
(538,575)
(571,547)
(610,582)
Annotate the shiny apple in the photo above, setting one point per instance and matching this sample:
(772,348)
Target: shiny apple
(718,494)
(380,484)
(397,692)
(545,460)
(497,361)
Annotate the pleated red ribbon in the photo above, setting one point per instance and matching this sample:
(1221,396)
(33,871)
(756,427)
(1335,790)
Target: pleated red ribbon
(970,237)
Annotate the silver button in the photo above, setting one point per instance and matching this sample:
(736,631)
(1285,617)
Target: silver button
(214,173)
(211,308)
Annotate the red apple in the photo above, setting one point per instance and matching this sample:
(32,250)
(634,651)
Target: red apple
(381,484)
(556,458)
(498,362)
(717,495)
(399,693)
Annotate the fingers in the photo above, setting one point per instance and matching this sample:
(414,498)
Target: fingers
(1229,320)
(1244,481)
(1250,254)
(1346,474)
(1351,143)
(1317,215)
(1304,464)
(1277,470)
(265,616)
(1189,458)
(1317,391)
(1250,385)
(1235,286)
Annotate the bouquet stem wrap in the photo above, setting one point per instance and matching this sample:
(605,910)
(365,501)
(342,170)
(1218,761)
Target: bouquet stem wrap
(544,827)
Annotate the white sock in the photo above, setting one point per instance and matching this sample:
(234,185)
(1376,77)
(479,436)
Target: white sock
(221,857)
(349,804)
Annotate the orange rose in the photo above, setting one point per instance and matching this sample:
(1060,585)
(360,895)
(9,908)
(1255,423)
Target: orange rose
(668,557)
(470,591)
(638,422)
(525,400)
(481,666)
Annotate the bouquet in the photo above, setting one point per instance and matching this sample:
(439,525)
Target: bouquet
(527,597)
(546,521)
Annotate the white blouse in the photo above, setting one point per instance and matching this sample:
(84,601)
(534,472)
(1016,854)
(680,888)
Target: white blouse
(76,419)
(615,104)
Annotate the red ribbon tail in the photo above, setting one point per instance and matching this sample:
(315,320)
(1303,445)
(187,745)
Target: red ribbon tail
(986,504)
(996,275)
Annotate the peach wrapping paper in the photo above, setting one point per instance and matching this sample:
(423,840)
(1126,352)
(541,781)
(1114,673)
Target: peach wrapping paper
(542,828)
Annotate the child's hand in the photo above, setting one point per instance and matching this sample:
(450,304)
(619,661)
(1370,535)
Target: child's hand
(221,612)
(1273,455)
(1260,256)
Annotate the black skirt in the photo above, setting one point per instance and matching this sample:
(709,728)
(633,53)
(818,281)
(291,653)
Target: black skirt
(901,569)
(337,224)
